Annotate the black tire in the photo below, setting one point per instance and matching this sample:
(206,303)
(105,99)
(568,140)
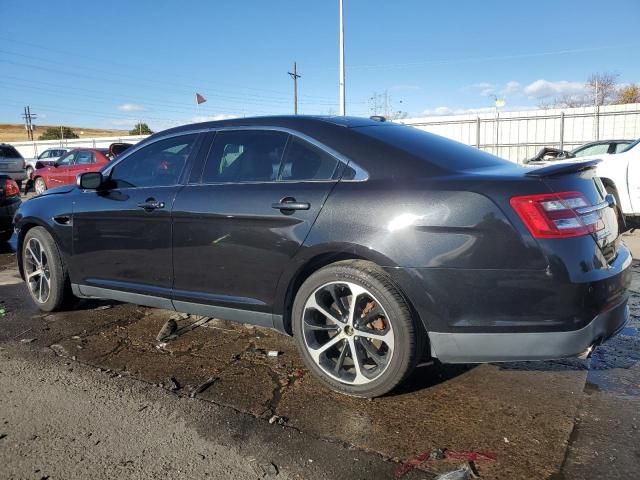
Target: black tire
(59,287)
(408,335)
(622,226)
(19,183)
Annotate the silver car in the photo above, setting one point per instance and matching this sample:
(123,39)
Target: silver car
(48,157)
(12,163)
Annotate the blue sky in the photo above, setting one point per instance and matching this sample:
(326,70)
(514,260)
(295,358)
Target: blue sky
(108,64)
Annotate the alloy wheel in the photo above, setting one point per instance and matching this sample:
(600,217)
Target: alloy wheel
(40,186)
(347,333)
(37,270)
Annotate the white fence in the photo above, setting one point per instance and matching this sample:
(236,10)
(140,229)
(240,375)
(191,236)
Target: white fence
(517,136)
(33,149)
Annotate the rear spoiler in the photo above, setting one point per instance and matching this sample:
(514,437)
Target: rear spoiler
(562,169)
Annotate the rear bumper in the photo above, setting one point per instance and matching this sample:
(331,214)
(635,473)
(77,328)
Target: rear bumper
(502,347)
(18,176)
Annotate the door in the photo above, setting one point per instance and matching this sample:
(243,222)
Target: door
(81,163)
(632,159)
(245,215)
(122,234)
(59,172)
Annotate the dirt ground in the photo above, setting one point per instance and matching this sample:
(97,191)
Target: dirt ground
(569,419)
(17,133)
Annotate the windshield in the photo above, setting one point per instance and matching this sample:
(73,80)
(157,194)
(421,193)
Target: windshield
(630,146)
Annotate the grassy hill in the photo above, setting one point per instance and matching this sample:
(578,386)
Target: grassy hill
(17,133)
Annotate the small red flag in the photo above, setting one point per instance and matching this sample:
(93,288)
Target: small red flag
(200,99)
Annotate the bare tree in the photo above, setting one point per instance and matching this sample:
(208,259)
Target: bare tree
(602,88)
(629,94)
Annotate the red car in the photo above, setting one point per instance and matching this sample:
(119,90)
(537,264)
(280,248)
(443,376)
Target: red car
(64,171)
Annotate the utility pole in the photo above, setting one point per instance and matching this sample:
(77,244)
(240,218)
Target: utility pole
(28,123)
(342,95)
(295,77)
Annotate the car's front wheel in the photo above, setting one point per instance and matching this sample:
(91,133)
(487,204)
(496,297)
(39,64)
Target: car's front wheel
(44,271)
(39,185)
(29,172)
(355,330)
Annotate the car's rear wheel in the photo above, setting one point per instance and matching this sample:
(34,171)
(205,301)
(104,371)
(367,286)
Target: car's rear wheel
(39,185)
(355,330)
(29,172)
(44,271)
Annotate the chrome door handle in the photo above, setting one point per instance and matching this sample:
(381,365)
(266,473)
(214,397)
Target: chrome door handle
(290,204)
(151,204)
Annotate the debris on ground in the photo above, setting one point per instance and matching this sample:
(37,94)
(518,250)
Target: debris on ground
(167,331)
(3,311)
(465,472)
(268,469)
(277,419)
(445,454)
(103,307)
(28,340)
(203,386)
(59,350)
(172,384)
(273,353)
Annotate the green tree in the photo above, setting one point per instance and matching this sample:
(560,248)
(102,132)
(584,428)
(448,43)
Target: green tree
(57,133)
(629,94)
(141,129)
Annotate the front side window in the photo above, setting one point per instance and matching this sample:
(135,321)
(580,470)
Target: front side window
(303,161)
(245,156)
(620,147)
(67,160)
(158,164)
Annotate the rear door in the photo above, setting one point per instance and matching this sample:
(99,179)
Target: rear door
(122,234)
(244,215)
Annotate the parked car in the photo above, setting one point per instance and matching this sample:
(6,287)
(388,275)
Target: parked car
(48,157)
(11,163)
(371,243)
(65,169)
(9,203)
(620,174)
(549,154)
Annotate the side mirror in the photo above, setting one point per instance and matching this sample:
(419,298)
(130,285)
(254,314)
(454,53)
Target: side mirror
(89,180)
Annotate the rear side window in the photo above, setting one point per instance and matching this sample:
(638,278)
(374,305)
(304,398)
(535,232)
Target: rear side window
(85,158)
(620,147)
(303,161)
(433,149)
(592,150)
(7,151)
(157,164)
(245,156)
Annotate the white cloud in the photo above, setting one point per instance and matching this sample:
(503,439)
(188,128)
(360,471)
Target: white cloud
(130,107)
(544,88)
(511,88)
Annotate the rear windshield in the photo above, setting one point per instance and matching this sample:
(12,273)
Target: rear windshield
(434,149)
(8,151)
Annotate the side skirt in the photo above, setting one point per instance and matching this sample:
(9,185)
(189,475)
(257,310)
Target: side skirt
(260,319)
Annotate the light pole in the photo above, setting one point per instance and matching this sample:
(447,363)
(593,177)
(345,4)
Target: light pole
(342,96)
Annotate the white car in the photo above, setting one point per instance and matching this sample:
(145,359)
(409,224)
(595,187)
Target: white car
(620,174)
(48,157)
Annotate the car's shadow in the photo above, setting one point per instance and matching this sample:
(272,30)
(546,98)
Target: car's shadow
(430,375)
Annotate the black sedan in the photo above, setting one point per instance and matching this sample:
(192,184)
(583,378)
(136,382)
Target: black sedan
(9,203)
(374,244)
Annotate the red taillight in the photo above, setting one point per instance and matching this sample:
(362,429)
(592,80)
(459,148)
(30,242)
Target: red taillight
(556,215)
(11,188)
